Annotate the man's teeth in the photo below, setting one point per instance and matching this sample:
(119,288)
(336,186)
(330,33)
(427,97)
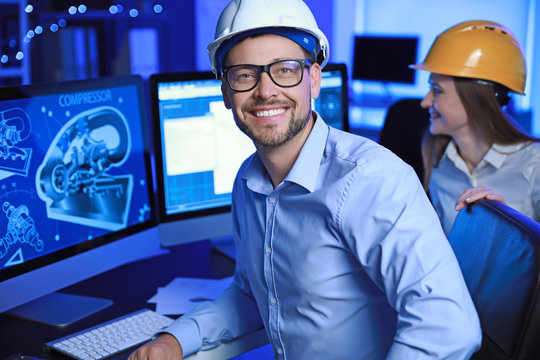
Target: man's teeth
(268,113)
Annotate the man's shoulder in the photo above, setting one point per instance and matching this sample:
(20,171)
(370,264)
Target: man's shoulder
(358,149)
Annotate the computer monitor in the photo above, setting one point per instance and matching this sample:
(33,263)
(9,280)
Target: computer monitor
(75,190)
(198,150)
(333,100)
(384,59)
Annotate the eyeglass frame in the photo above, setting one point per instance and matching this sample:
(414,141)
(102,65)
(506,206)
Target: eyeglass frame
(266,68)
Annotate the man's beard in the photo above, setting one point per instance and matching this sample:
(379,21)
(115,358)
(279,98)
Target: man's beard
(271,138)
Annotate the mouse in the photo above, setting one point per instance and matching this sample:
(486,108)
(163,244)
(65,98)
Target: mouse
(21,356)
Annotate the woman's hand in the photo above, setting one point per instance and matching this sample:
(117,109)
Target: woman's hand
(474,194)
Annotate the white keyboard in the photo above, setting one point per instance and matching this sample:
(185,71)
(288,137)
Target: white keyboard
(112,337)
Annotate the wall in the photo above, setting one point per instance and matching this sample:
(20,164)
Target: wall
(427,20)
(98,43)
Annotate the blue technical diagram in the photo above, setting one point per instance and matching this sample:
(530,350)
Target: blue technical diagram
(20,229)
(145,210)
(14,128)
(74,179)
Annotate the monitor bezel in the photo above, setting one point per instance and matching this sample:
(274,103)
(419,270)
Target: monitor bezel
(42,89)
(382,41)
(153,82)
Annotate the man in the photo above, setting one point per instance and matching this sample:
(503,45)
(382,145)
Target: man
(339,252)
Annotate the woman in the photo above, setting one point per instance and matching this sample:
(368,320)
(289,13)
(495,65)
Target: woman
(473,150)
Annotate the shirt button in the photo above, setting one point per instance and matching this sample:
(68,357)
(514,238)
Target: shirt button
(273,300)
(280,351)
(268,250)
(272,200)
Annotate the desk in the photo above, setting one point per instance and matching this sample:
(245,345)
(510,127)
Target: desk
(129,286)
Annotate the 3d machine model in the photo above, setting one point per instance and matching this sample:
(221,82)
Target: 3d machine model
(75,177)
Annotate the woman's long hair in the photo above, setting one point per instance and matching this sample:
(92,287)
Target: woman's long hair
(485,113)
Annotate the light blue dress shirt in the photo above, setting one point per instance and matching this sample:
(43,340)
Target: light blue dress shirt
(512,171)
(345,259)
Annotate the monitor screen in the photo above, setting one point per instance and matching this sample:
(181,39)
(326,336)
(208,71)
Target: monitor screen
(384,58)
(199,149)
(75,183)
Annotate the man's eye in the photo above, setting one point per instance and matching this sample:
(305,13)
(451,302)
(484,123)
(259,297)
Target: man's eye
(285,70)
(244,76)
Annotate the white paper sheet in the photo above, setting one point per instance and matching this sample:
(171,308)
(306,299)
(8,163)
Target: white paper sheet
(182,294)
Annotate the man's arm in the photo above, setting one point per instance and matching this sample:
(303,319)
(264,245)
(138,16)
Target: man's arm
(164,347)
(232,314)
(406,253)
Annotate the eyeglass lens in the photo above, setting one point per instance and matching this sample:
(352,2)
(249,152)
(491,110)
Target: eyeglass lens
(285,73)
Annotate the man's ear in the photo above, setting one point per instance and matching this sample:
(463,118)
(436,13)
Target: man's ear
(315,75)
(225,92)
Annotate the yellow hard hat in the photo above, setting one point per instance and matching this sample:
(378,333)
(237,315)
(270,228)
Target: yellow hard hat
(478,49)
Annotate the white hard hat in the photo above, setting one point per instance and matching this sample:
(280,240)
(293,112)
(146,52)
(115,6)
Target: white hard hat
(288,18)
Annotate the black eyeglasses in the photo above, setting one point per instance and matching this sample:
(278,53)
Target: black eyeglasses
(284,73)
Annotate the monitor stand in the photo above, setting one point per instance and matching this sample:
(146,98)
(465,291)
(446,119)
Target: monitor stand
(59,309)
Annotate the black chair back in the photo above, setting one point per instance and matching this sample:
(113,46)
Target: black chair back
(402,131)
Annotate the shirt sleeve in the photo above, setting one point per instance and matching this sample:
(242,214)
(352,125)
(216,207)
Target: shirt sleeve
(399,241)
(232,314)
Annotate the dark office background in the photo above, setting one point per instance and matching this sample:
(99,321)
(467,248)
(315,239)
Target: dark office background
(172,37)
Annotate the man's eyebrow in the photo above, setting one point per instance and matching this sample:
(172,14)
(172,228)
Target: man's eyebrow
(270,62)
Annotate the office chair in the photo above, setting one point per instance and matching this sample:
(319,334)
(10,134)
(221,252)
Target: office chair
(498,250)
(404,124)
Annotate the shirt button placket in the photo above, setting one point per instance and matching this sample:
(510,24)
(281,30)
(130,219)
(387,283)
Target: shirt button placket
(269,275)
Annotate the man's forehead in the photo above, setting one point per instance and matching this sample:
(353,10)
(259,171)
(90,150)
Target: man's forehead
(265,45)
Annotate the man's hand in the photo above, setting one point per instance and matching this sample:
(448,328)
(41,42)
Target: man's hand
(165,347)
(474,194)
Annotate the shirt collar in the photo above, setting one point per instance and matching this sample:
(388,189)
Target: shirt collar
(452,154)
(495,156)
(256,176)
(306,167)
(498,153)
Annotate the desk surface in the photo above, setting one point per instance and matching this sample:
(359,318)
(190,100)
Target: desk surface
(129,286)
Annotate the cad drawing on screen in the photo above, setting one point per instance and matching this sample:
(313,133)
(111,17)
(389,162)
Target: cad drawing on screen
(73,178)
(14,129)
